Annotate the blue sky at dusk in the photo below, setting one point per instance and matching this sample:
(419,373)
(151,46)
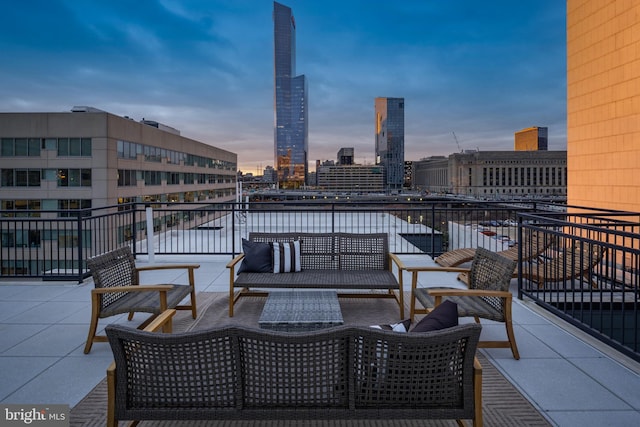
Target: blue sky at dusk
(481,69)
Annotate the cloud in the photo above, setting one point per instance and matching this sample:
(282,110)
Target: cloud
(205,67)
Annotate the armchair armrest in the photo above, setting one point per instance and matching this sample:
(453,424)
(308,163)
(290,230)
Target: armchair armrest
(395,259)
(438,293)
(133,288)
(418,269)
(165,318)
(231,264)
(167,267)
(446,292)
(190,267)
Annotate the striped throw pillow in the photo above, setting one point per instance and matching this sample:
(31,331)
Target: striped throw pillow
(286,257)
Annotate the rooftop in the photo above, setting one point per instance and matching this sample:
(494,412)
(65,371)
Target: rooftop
(570,377)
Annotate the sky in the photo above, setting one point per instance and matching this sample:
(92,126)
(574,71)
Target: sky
(472,73)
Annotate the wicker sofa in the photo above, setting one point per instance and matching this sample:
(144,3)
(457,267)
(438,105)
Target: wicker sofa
(343,372)
(342,261)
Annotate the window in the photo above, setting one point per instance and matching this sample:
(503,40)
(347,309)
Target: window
(73,204)
(20,147)
(74,147)
(127,178)
(20,177)
(74,177)
(21,239)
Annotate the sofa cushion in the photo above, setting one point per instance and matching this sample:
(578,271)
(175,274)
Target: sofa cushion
(257,257)
(443,316)
(286,256)
(402,326)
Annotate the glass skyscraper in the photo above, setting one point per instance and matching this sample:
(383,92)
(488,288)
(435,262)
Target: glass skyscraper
(390,140)
(290,103)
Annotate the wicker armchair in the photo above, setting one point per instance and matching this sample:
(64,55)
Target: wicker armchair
(118,290)
(488,296)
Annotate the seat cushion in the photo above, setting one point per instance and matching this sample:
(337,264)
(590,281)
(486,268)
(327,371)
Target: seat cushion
(331,279)
(467,305)
(147,302)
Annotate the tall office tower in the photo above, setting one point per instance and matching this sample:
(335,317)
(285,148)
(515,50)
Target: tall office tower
(390,140)
(532,139)
(290,103)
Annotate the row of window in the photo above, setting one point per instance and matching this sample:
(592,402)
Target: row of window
(33,208)
(33,177)
(552,176)
(31,147)
(131,177)
(131,150)
(34,238)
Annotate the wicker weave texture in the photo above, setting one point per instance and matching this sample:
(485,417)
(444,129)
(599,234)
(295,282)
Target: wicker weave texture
(112,269)
(341,372)
(335,251)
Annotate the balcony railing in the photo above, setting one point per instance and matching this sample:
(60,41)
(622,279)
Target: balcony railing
(588,273)
(588,270)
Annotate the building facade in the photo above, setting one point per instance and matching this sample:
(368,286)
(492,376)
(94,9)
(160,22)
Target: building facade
(495,174)
(389,140)
(93,159)
(350,178)
(603,111)
(290,103)
(532,139)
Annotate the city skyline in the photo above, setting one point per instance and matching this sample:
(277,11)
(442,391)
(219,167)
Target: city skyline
(206,68)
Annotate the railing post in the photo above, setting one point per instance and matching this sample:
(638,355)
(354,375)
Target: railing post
(520,253)
(80,246)
(134,229)
(433,230)
(233,229)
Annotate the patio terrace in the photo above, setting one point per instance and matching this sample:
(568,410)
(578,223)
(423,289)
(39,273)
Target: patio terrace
(568,375)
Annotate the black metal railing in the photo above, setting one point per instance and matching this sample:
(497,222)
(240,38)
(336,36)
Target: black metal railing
(588,272)
(54,245)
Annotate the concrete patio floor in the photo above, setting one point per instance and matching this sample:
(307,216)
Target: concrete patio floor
(573,379)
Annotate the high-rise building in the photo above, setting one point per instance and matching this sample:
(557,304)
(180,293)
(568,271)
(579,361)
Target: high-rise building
(532,139)
(390,140)
(290,103)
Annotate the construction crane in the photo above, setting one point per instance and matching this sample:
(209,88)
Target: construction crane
(457,143)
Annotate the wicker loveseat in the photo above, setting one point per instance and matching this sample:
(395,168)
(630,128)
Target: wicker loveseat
(344,372)
(342,261)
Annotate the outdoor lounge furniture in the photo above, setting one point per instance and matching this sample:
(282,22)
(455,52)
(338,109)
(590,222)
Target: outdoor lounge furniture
(118,290)
(531,249)
(341,261)
(487,297)
(566,265)
(344,372)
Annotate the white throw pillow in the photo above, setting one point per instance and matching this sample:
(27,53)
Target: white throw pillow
(286,257)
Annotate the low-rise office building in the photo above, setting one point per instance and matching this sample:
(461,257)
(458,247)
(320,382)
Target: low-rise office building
(54,163)
(495,174)
(351,178)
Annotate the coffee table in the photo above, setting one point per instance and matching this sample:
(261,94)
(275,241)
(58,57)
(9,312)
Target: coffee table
(299,311)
